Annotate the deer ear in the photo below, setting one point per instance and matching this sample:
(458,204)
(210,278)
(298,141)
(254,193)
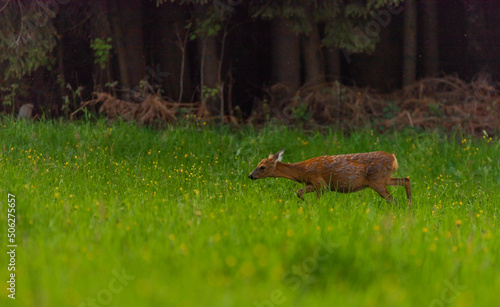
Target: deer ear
(279,155)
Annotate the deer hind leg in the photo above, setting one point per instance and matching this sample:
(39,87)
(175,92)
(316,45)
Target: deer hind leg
(306,189)
(404,182)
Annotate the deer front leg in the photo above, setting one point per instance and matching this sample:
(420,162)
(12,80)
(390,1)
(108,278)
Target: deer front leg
(306,189)
(382,191)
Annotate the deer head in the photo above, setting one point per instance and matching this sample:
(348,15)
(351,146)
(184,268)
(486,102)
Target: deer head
(266,166)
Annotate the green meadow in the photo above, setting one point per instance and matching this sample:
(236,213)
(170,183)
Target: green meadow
(120,215)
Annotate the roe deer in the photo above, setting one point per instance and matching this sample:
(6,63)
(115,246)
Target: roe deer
(342,173)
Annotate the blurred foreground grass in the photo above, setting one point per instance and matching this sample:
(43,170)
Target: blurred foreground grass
(124,216)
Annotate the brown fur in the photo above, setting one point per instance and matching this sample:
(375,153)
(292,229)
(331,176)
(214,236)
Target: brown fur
(342,173)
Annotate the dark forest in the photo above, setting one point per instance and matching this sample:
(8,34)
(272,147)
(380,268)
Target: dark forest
(238,60)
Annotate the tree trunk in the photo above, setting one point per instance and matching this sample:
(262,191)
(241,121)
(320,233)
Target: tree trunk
(431,46)
(121,53)
(60,57)
(127,28)
(173,46)
(313,58)
(410,42)
(477,35)
(384,74)
(101,28)
(119,45)
(60,64)
(333,64)
(207,48)
(209,65)
(208,51)
(286,55)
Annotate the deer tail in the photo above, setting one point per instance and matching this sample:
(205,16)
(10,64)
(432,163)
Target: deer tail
(395,163)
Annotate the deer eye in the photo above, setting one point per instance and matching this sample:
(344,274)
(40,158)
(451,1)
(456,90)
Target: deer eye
(262,168)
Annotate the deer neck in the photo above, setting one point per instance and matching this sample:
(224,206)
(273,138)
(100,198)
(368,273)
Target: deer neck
(290,171)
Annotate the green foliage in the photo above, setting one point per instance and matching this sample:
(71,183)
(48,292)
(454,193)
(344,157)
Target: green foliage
(203,2)
(210,93)
(355,10)
(207,26)
(348,25)
(71,101)
(435,109)
(111,85)
(9,94)
(352,26)
(390,110)
(293,12)
(102,48)
(301,112)
(345,22)
(26,40)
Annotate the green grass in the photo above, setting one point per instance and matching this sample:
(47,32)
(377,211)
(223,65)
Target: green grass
(175,211)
